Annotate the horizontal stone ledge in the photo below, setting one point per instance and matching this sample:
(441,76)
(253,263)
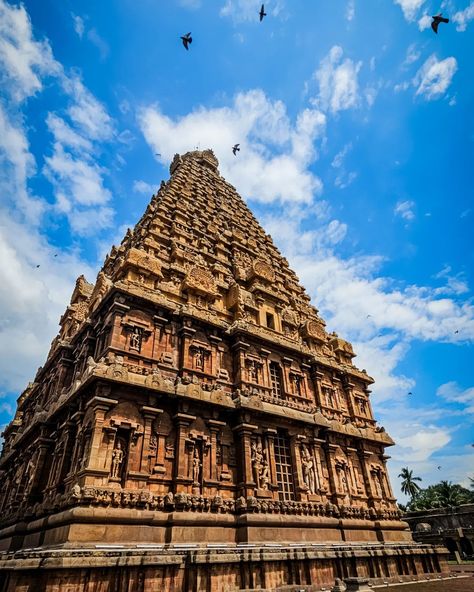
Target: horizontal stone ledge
(130,557)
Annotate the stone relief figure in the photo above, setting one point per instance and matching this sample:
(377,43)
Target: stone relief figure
(136,339)
(117,460)
(197,464)
(199,359)
(260,466)
(309,469)
(253,371)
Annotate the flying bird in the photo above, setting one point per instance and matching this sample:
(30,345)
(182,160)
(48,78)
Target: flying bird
(456,332)
(262,13)
(368,316)
(56,255)
(235,149)
(37,266)
(439,468)
(438,18)
(186,39)
(157,154)
(410,393)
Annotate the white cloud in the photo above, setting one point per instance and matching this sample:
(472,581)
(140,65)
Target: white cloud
(410,8)
(80,191)
(350,10)
(272,164)
(338,160)
(434,77)
(424,22)
(462,17)
(30,318)
(143,187)
(79,26)
(86,112)
(23,60)
(338,84)
(453,393)
(412,55)
(91,34)
(455,283)
(404,209)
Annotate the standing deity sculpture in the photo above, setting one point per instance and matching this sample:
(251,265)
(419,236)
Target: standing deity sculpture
(136,339)
(260,466)
(199,360)
(309,469)
(117,460)
(197,464)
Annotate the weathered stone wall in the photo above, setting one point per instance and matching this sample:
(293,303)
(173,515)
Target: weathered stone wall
(216,570)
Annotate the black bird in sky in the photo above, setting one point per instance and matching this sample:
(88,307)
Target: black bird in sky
(438,18)
(262,13)
(410,393)
(37,266)
(439,468)
(235,148)
(186,39)
(456,332)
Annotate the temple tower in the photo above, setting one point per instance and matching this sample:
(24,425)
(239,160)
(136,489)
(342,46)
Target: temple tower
(193,396)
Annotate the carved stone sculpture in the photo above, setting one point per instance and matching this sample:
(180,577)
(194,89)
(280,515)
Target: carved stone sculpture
(117,460)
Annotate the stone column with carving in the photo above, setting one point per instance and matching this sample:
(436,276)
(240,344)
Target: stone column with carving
(316,377)
(182,422)
(239,348)
(246,483)
(147,458)
(95,464)
(215,427)
(364,457)
(330,450)
(270,434)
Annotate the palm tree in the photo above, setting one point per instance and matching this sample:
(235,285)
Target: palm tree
(449,495)
(409,487)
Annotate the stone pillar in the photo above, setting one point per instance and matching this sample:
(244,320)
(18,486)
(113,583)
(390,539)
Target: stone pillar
(215,427)
(77,419)
(286,374)
(319,466)
(270,438)
(97,454)
(183,421)
(316,377)
(147,463)
(215,341)
(295,448)
(159,330)
(244,454)
(239,348)
(329,450)
(264,353)
(364,456)
(388,486)
(348,388)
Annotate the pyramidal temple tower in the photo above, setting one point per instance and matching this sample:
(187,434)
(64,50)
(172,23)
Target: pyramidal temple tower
(194,422)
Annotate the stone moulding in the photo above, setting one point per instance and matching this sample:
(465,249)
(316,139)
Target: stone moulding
(224,567)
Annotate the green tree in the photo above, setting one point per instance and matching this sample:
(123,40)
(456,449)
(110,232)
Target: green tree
(442,495)
(408,486)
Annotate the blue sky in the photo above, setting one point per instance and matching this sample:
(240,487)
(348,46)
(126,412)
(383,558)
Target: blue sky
(356,129)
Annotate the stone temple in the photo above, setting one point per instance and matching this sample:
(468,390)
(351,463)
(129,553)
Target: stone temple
(194,426)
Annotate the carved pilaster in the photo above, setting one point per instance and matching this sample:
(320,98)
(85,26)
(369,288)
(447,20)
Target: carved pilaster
(182,422)
(148,455)
(244,433)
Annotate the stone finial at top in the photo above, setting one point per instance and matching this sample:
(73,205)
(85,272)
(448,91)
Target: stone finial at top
(206,157)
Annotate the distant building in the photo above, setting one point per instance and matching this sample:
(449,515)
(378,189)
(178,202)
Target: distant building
(451,527)
(194,426)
